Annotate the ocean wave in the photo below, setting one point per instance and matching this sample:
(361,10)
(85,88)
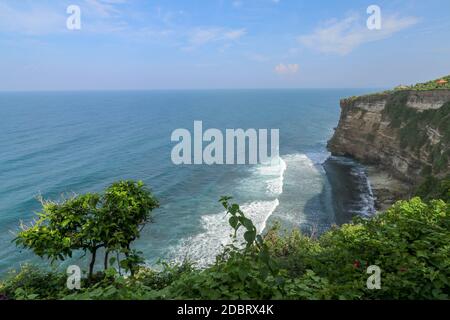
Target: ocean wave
(273,174)
(318,158)
(205,246)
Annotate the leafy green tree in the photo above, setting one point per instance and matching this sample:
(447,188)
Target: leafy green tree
(62,228)
(89,222)
(127,206)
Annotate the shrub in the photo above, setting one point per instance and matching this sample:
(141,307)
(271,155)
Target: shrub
(434,188)
(32,282)
(410,242)
(92,221)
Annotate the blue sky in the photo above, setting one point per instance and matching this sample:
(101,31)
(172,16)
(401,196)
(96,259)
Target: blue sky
(202,44)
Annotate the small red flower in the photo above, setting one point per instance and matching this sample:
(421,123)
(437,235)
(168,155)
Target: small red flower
(403,269)
(356,264)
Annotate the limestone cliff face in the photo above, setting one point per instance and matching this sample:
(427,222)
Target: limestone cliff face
(405,133)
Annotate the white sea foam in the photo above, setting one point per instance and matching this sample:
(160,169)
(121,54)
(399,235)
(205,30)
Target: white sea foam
(366,196)
(274,176)
(205,246)
(301,159)
(365,205)
(318,158)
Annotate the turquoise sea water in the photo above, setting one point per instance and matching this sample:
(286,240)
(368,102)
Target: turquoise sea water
(75,142)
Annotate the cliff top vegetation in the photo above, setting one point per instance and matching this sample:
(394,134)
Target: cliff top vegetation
(442,83)
(437,84)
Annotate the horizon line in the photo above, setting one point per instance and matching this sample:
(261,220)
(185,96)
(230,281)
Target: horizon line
(185,89)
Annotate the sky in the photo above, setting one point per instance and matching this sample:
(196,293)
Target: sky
(215,44)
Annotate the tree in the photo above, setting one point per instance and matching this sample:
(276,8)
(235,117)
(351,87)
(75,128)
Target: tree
(126,210)
(112,220)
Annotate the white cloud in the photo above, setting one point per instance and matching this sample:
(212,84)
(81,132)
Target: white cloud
(32,21)
(257,57)
(240,3)
(201,36)
(343,36)
(284,69)
(235,34)
(105,8)
(40,20)
(168,17)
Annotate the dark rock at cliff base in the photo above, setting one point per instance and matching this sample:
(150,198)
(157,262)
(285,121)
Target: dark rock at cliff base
(351,191)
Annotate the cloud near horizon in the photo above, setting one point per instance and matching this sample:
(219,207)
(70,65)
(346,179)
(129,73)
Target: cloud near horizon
(285,69)
(202,36)
(35,21)
(343,36)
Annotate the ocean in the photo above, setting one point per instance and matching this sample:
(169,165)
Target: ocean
(54,144)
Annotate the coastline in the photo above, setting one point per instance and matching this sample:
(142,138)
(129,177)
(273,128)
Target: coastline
(362,189)
(399,136)
(351,190)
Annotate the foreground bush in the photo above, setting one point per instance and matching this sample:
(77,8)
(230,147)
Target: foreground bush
(111,221)
(410,243)
(434,188)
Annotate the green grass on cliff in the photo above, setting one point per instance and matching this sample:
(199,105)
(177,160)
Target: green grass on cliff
(426,86)
(430,85)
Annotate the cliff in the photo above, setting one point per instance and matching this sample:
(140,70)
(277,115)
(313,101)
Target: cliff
(403,136)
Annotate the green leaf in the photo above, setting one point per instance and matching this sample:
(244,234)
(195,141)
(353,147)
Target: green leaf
(247,223)
(250,236)
(243,274)
(234,221)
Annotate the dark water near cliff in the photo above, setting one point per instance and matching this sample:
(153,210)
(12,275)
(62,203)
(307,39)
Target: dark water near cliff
(352,194)
(54,143)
